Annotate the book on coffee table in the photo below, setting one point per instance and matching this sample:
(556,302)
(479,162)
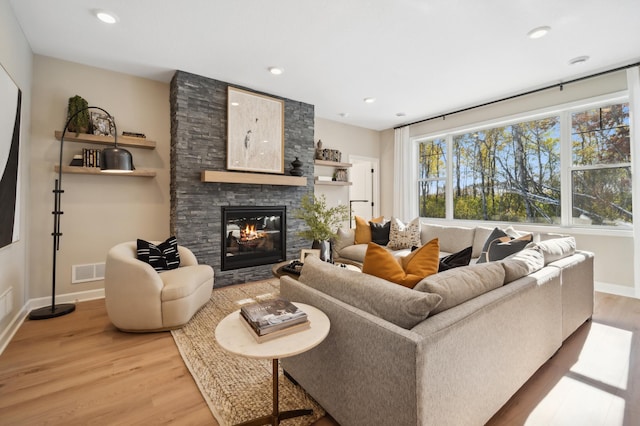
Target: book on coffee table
(278,333)
(271,315)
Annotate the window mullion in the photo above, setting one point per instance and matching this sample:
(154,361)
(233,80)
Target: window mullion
(566,163)
(449,182)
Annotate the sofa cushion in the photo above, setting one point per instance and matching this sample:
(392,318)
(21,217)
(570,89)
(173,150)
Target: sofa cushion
(355,252)
(522,263)
(163,256)
(480,236)
(404,236)
(380,233)
(461,284)
(363,231)
(344,238)
(452,238)
(408,270)
(396,304)
(455,260)
(557,248)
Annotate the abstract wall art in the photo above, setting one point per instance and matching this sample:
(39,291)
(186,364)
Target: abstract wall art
(10,107)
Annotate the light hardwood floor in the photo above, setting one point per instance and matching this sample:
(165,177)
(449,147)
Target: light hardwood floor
(78,369)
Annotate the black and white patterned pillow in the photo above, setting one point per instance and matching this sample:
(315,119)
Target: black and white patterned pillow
(162,257)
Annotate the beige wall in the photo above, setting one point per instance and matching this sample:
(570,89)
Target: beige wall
(16,58)
(99,211)
(349,140)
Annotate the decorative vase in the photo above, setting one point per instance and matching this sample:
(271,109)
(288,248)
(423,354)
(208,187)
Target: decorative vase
(326,254)
(297,168)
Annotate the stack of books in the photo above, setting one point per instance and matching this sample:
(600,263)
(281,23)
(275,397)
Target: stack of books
(271,318)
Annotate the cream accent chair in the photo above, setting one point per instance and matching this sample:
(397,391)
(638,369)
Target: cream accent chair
(140,299)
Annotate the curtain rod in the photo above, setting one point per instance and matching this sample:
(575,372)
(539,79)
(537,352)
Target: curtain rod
(508,98)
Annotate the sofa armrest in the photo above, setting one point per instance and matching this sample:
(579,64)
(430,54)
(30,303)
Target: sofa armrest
(187,258)
(131,285)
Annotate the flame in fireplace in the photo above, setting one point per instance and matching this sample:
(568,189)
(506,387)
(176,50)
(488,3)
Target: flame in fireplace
(250,233)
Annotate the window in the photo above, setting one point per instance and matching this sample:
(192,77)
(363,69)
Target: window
(431,178)
(509,173)
(514,173)
(601,166)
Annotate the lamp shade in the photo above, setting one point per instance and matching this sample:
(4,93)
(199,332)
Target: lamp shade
(116,160)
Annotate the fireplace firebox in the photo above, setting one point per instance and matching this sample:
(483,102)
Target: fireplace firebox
(253,236)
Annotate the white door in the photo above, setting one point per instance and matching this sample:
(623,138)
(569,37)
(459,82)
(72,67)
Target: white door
(364,193)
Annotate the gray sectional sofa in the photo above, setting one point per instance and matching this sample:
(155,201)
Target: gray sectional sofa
(393,358)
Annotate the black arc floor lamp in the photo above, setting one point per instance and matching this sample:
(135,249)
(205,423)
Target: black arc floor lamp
(113,160)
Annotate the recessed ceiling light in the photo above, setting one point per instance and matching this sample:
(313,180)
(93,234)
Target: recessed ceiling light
(106,17)
(234,104)
(400,114)
(539,32)
(276,70)
(369,100)
(579,60)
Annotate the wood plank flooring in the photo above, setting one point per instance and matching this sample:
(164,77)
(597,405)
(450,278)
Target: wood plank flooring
(78,369)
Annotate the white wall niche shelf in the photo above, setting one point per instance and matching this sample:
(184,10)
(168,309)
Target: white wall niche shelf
(335,165)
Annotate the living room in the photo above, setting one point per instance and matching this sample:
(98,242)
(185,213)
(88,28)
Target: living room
(101,212)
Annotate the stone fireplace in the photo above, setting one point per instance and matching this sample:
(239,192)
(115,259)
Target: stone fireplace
(198,143)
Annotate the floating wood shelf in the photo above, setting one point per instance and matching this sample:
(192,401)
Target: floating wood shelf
(332,183)
(107,140)
(96,171)
(252,178)
(331,163)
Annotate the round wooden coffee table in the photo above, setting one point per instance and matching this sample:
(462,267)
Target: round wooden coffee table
(235,337)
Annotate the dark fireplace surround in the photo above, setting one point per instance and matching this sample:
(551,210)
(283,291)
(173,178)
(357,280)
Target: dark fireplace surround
(198,143)
(253,236)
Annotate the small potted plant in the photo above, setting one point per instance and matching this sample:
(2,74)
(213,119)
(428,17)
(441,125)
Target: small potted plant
(80,123)
(322,221)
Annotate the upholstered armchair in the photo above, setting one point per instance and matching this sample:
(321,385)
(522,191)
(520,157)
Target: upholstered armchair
(140,299)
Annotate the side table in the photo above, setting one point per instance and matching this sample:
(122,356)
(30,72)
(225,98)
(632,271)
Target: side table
(234,337)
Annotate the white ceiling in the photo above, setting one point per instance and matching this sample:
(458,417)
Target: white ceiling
(418,57)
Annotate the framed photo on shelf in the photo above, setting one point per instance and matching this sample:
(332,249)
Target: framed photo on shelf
(308,252)
(255,132)
(101,124)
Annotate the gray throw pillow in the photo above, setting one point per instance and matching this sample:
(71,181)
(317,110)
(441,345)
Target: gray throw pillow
(502,247)
(391,302)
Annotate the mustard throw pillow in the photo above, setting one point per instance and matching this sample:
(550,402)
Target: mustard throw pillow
(421,263)
(363,230)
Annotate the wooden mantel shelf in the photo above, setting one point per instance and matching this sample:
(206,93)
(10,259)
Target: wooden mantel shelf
(252,178)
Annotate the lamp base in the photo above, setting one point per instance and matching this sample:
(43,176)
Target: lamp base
(52,311)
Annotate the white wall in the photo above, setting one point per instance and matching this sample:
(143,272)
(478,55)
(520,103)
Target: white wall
(614,255)
(99,211)
(16,58)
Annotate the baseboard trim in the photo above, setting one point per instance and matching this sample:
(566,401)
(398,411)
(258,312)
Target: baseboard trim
(18,319)
(617,289)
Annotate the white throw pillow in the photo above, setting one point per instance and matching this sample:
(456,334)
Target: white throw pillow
(403,236)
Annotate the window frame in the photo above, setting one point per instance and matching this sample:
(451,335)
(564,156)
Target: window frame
(563,111)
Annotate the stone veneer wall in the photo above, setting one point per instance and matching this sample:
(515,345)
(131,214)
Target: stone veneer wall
(198,142)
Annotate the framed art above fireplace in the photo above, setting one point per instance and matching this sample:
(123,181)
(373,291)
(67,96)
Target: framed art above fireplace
(255,132)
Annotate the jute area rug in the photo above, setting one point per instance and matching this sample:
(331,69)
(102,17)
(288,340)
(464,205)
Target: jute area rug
(236,389)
